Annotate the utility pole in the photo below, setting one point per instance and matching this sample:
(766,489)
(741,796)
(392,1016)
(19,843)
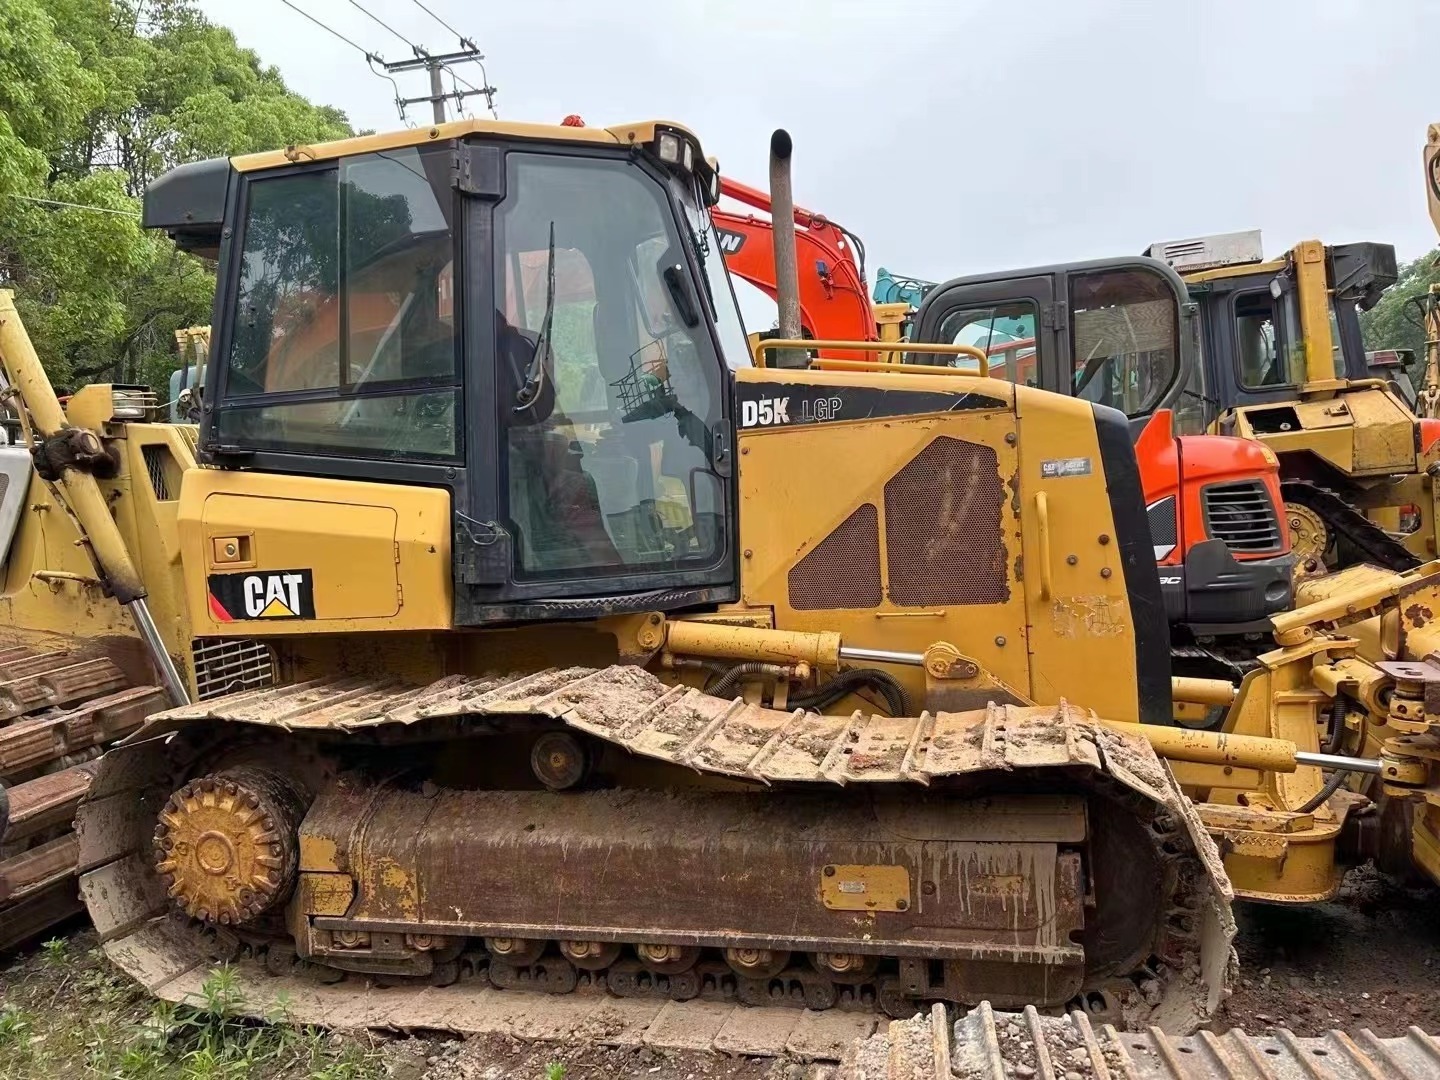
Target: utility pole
(437,91)
(436,65)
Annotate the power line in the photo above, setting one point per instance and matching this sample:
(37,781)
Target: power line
(463,39)
(328,29)
(75,205)
(381,22)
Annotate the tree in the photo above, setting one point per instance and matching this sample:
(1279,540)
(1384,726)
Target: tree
(97,98)
(1393,323)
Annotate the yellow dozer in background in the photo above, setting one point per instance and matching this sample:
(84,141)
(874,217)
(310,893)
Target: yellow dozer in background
(517,626)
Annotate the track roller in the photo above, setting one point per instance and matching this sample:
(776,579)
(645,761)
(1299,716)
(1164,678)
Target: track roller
(848,968)
(757,963)
(514,950)
(667,959)
(590,955)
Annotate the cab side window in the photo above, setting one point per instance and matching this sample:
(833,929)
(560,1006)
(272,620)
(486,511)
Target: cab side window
(1006,331)
(1124,338)
(344,333)
(1257,349)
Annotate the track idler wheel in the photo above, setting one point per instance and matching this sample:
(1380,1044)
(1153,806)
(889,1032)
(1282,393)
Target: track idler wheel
(227,844)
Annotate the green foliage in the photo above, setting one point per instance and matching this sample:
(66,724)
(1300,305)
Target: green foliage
(14,1026)
(204,1039)
(554,1071)
(97,98)
(1393,323)
(56,951)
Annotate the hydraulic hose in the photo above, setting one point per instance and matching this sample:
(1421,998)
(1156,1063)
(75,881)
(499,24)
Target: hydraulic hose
(1332,785)
(1336,731)
(896,700)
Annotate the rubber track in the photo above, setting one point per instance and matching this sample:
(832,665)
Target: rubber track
(987,1045)
(1373,541)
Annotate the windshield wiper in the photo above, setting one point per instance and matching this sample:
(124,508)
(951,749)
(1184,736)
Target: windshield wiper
(529,393)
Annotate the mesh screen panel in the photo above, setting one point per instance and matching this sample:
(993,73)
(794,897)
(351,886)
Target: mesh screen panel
(943,527)
(1164,530)
(155,458)
(843,570)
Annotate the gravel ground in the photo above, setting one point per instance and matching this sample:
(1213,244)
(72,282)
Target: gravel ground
(1368,959)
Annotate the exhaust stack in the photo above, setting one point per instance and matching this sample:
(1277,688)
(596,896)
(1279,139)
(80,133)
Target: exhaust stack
(787,276)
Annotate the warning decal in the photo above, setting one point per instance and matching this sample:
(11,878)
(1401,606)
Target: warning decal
(267,594)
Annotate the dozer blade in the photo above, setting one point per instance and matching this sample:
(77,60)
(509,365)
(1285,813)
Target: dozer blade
(58,709)
(1007,852)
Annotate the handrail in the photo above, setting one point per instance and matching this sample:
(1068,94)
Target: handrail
(1042,524)
(764,345)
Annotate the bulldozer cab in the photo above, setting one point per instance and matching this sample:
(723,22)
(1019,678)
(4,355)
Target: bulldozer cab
(1116,332)
(1274,330)
(571,396)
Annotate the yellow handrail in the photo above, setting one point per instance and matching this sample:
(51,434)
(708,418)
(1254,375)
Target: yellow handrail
(822,363)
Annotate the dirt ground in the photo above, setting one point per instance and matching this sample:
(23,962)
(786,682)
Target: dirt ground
(1369,959)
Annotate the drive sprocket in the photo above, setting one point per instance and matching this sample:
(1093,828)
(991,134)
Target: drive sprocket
(226,844)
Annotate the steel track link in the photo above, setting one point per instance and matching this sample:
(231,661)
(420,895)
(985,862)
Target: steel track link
(630,708)
(1370,539)
(58,707)
(989,1045)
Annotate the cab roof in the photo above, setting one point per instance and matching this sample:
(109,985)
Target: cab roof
(635,134)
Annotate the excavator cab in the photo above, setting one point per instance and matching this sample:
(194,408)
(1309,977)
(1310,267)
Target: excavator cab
(569,401)
(1115,332)
(1124,334)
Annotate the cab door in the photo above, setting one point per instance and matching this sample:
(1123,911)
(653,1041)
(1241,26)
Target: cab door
(1014,319)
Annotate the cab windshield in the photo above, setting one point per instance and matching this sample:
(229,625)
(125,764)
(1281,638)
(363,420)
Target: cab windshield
(608,384)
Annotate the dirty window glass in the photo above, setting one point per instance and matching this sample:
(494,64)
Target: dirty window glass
(1255,340)
(346,298)
(1124,338)
(1006,332)
(608,392)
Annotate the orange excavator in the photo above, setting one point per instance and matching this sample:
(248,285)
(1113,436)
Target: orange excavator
(1222,549)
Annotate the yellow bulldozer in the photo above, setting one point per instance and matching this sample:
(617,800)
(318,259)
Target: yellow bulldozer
(512,622)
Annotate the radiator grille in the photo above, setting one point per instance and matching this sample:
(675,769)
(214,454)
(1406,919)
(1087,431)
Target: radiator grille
(228,666)
(843,570)
(1241,514)
(155,458)
(943,527)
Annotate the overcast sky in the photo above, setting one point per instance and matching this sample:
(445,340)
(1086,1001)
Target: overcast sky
(963,136)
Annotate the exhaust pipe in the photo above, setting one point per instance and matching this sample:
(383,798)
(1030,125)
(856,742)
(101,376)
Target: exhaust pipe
(787,275)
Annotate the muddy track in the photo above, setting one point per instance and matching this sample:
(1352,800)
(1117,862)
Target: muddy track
(630,709)
(58,710)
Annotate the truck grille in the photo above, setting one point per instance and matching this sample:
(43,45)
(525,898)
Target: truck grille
(1241,514)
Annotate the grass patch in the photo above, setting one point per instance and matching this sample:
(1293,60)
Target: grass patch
(66,1012)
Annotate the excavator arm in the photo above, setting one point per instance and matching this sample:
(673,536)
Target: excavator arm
(834,299)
